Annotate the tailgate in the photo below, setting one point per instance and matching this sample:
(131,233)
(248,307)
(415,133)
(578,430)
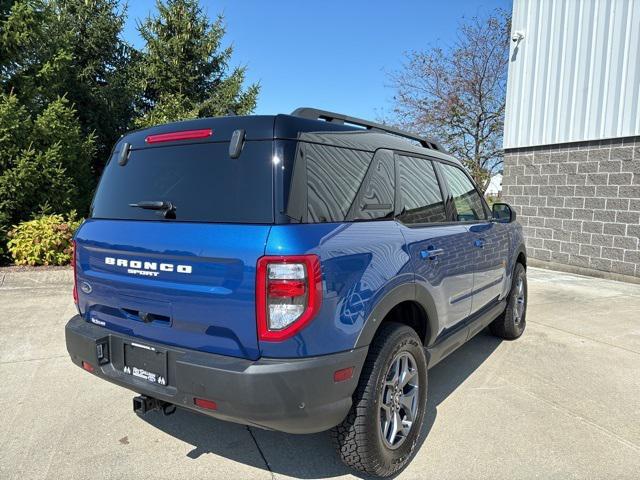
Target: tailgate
(190,285)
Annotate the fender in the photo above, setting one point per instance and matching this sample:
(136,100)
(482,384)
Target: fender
(520,250)
(425,299)
(512,265)
(399,294)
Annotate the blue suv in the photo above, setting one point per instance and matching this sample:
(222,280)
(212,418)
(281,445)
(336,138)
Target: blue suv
(293,272)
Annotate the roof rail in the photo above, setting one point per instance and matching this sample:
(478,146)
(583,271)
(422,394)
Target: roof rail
(316,114)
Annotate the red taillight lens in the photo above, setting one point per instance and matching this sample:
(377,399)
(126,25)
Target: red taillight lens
(208,404)
(175,136)
(286,288)
(75,272)
(288,294)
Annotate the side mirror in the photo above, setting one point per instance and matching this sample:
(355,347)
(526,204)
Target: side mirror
(503,213)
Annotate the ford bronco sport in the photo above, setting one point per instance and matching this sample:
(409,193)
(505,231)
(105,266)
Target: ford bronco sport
(293,272)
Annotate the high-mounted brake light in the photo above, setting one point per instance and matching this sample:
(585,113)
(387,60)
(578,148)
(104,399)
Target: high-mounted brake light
(288,294)
(75,272)
(175,136)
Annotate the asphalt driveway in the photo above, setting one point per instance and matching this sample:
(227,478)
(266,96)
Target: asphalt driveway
(561,402)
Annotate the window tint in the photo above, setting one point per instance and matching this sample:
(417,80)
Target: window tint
(420,196)
(334,176)
(465,197)
(200,180)
(375,199)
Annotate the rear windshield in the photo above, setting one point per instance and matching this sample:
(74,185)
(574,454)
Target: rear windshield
(200,180)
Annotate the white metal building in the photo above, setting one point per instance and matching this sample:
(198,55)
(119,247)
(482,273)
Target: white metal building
(572,132)
(575,74)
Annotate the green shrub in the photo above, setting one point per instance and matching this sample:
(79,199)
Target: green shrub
(4,258)
(43,241)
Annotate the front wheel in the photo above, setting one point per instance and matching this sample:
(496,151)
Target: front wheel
(382,428)
(511,324)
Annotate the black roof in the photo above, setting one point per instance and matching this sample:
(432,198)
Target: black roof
(346,135)
(265,127)
(340,118)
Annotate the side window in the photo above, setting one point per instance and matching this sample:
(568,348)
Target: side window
(334,176)
(465,197)
(420,196)
(376,196)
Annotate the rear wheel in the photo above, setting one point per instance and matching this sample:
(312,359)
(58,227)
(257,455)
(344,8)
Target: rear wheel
(511,324)
(381,431)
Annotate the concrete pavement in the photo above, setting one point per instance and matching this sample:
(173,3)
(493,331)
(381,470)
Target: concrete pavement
(561,402)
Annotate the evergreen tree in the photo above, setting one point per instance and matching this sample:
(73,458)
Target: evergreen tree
(44,161)
(184,71)
(70,86)
(71,48)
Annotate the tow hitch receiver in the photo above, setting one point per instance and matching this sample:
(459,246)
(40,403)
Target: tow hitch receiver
(143,404)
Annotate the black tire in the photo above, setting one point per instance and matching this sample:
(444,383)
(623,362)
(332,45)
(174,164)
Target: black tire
(511,324)
(359,438)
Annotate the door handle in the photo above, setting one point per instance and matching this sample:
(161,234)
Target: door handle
(479,242)
(431,253)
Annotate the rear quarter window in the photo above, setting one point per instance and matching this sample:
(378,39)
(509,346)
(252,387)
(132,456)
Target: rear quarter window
(334,176)
(200,180)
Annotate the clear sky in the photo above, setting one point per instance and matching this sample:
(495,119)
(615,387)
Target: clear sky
(334,55)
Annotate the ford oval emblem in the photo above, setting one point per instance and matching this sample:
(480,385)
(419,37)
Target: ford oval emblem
(86,288)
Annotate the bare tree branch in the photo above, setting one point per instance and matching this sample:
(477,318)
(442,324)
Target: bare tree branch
(457,93)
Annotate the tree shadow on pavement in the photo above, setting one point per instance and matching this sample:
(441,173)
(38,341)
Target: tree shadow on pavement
(312,456)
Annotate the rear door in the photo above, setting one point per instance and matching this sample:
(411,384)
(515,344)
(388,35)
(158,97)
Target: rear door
(439,249)
(186,278)
(490,240)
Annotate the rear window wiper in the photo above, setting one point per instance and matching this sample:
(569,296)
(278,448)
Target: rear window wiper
(167,208)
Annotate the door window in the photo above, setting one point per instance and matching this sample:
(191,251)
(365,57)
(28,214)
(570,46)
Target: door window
(420,195)
(466,199)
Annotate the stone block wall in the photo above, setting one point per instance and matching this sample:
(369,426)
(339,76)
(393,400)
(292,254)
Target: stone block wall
(579,203)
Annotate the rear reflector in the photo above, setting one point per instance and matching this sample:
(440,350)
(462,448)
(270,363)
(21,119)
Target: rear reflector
(343,374)
(208,404)
(87,366)
(175,136)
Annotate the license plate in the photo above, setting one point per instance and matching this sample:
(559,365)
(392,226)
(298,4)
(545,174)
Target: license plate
(146,362)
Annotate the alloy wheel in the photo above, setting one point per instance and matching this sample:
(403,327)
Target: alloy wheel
(399,400)
(518,311)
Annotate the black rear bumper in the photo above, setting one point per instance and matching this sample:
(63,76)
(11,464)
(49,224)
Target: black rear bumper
(289,395)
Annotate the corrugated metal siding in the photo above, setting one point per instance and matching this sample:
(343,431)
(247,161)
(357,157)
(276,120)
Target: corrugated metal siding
(576,74)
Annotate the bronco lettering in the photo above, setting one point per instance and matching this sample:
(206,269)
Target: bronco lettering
(139,267)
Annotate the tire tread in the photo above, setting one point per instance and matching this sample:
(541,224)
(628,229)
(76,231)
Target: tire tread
(504,326)
(350,437)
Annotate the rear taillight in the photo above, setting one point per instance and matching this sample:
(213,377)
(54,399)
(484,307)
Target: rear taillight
(75,272)
(288,294)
